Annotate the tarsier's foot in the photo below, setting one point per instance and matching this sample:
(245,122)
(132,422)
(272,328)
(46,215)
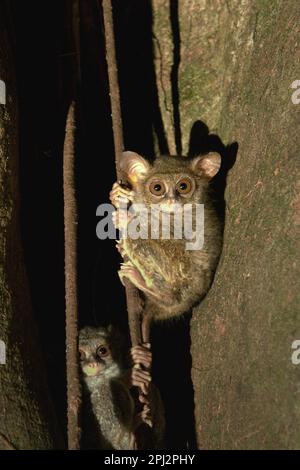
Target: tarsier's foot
(143,417)
(140,378)
(146,416)
(142,357)
(141,354)
(132,273)
(120,195)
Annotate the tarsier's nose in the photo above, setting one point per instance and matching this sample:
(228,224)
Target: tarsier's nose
(171,196)
(170,201)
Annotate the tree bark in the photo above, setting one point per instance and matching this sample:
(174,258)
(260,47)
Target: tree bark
(26,417)
(237,62)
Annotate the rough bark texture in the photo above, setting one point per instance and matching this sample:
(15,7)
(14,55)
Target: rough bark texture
(26,419)
(238,60)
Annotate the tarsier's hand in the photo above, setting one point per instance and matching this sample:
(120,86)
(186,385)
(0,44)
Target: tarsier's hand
(119,195)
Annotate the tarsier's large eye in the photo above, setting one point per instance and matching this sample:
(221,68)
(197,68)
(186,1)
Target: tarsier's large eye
(102,351)
(157,188)
(81,354)
(184,186)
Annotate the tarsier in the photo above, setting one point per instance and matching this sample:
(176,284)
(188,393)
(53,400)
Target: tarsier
(109,416)
(171,278)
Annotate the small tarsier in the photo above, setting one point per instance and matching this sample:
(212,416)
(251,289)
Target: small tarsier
(109,417)
(171,278)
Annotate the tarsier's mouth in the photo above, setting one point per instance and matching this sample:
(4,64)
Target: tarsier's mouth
(92,370)
(171,208)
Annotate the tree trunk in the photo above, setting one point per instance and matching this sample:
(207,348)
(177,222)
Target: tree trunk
(26,417)
(238,60)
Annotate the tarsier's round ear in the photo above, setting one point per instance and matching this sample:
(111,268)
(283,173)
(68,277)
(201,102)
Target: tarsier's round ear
(206,165)
(134,166)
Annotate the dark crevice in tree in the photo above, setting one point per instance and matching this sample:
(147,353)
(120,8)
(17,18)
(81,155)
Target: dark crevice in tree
(172,373)
(174,18)
(139,97)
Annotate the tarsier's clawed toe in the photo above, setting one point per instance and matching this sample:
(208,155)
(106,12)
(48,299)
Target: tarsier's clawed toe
(120,195)
(146,417)
(141,378)
(120,247)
